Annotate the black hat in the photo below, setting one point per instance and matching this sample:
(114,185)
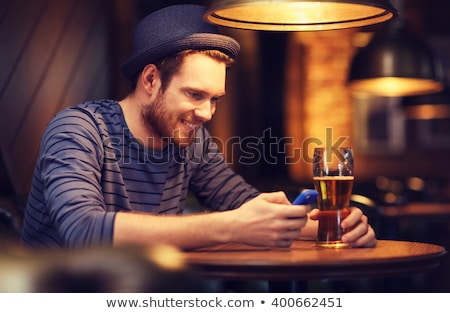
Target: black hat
(173,29)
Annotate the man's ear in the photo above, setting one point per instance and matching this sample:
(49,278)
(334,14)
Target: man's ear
(150,78)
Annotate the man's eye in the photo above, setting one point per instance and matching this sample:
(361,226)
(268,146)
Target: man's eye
(196,95)
(215,100)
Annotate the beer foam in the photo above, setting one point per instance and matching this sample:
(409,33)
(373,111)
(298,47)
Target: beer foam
(333,178)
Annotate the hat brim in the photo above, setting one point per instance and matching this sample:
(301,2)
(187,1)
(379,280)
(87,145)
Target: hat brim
(204,41)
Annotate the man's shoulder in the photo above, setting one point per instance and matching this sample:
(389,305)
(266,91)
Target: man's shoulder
(96,107)
(96,110)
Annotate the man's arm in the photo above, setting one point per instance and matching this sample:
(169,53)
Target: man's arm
(70,200)
(267,220)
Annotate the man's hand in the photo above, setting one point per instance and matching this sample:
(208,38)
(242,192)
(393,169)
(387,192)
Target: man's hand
(360,233)
(268,220)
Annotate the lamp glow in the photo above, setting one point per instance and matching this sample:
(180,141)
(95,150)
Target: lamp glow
(299,15)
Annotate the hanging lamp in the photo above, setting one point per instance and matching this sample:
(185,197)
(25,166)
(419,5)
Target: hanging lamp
(395,64)
(299,15)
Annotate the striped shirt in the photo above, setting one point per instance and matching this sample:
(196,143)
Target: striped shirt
(90,167)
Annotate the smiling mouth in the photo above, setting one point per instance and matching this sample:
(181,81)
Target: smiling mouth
(190,126)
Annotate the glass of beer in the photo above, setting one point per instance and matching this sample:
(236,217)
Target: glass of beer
(333,180)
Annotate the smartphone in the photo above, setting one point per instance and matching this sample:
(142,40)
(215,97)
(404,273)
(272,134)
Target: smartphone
(307,196)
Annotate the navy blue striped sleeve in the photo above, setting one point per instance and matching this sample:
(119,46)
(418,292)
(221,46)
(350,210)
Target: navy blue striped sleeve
(70,167)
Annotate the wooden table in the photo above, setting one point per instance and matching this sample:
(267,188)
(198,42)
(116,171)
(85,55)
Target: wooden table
(305,261)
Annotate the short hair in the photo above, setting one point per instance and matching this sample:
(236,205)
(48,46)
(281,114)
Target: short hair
(171,65)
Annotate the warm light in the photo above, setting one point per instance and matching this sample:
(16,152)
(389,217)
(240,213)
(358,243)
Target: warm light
(416,183)
(361,39)
(299,15)
(395,86)
(363,200)
(390,197)
(166,257)
(428,111)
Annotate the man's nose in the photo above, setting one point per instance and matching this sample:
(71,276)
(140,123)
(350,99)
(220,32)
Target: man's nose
(204,112)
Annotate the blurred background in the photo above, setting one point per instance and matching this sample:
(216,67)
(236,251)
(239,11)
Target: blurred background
(287,93)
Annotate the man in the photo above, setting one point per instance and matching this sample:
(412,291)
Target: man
(116,173)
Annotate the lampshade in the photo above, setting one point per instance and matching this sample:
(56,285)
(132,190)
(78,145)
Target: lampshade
(299,15)
(429,106)
(395,64)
